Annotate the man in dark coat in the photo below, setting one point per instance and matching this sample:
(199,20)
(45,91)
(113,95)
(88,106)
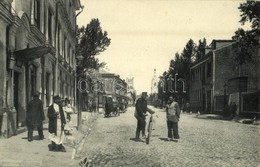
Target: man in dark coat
(140,112)
(35,116)
(57,123)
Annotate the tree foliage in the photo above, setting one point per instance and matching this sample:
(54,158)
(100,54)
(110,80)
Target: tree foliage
(247,41)
(250,12)
(92,40)
(200,50)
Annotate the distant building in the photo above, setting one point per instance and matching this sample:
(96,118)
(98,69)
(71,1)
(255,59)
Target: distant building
(154,83)
(215,81)
(130,84)
(112,86)
(130,89)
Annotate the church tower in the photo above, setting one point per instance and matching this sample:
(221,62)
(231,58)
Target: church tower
(154,83)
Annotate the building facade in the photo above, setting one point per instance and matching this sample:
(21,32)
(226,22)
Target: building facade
(113,86)
(130,89)
(37,54)
(214,77)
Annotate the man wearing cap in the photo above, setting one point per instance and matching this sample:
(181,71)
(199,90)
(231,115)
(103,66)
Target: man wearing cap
(35,116)
(140,112)
(173,116)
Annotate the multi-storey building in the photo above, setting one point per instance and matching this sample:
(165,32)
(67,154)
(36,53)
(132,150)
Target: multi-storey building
(37,54)
(216,80)
(113,86)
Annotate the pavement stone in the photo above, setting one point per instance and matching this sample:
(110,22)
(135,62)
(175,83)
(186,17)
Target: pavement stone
(17,151)
(203,143)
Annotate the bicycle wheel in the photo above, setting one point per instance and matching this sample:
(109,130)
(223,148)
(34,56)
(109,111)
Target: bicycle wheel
(149,133)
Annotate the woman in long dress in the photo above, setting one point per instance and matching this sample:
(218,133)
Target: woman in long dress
(57,122)
(68,110)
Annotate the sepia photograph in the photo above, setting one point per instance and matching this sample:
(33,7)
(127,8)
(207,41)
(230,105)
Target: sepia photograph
(129,83)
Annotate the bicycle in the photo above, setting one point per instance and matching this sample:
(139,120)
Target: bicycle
(150,128)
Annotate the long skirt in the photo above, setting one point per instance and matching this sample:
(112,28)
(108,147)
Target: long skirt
(60,136)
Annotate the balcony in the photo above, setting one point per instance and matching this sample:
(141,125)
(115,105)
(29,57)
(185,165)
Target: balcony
(37,34)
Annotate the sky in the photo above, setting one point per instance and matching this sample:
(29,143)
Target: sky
(146,34)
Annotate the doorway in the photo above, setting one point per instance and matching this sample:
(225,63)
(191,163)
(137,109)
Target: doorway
(16,96)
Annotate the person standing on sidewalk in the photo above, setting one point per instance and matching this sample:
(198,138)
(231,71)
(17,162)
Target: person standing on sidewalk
(57,123)
(173,116)
(68,110)
(140,113)
(35,116)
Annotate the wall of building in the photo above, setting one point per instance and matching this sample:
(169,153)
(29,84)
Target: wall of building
(28,25)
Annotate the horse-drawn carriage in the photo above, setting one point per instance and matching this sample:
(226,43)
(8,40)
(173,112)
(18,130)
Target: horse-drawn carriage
(111,107)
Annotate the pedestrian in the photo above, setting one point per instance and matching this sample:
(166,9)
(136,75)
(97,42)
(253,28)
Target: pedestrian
(187,107)
(140,113)
(106,108)
(68,110)
(172,116)
(94,106)
(56,125)
(35,116)
(233,109)
(90,106)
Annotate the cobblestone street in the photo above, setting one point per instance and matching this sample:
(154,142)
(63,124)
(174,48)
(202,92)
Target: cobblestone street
(203,142)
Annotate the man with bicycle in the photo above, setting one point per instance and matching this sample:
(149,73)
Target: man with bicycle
(173,116)
(140,113)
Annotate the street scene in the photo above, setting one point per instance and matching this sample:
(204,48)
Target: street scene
(203,142)
(129,83)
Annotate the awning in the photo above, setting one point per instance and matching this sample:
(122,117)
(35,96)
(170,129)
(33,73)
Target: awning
(30,54)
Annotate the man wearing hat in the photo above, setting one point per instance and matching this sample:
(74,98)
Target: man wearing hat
(140,112)
(35,116)
(173,116)
(57,123)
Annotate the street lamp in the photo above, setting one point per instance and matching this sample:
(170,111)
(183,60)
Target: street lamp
(78,94)
(99,92)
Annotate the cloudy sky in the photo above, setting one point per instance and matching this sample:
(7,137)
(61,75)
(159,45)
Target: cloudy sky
(146,34)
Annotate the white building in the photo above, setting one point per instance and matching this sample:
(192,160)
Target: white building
(154,83)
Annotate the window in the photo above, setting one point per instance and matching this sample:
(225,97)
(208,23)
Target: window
(33,79)
(61,84)
(64,48)
(59,40)
(47,89)
(69,54)
(37,13)
(50,13)
(209,69)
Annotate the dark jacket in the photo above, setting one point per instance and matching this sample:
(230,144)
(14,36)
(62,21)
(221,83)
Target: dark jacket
(141,108)
(35,113)
(52,115)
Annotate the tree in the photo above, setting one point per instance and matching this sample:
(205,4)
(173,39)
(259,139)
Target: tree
(247,41)
(91,42)
(188,56)
(200,50)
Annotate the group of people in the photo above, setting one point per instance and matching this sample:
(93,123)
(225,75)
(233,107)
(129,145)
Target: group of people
(172,116)
(59,114)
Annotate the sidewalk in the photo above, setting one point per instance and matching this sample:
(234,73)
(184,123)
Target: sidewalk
(16,151)
(236,119)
